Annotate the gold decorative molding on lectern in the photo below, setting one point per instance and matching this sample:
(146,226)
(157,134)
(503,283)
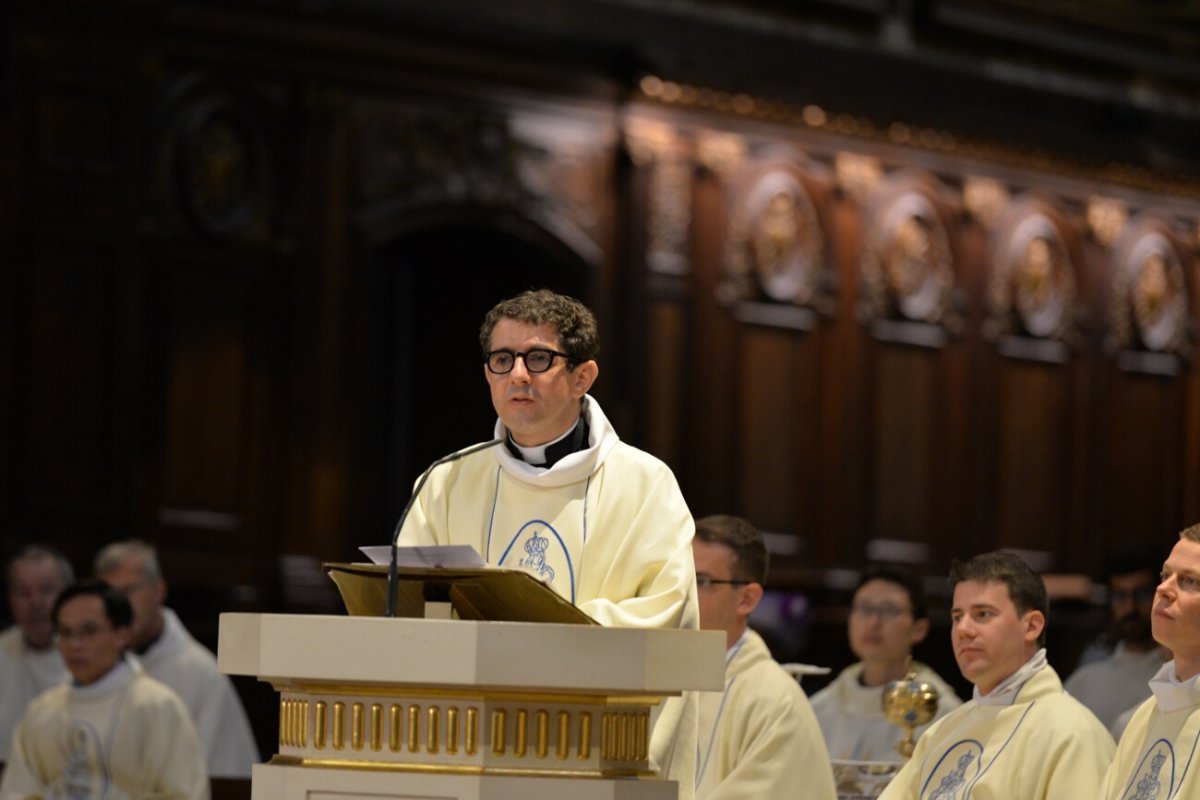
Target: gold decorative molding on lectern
(391,707)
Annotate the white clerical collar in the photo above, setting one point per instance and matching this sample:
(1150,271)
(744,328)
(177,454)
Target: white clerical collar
(1005,693)
(537,454)
(117,677)
(1171,693)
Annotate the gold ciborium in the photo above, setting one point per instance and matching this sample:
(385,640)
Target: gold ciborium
(909,703)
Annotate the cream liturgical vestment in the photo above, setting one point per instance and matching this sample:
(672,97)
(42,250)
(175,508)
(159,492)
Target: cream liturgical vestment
(852,720)
(1156,759)
(24,674)
(1115,684)
(124,737)
(190,670)
(1041,744)
(606,527)
(759,738)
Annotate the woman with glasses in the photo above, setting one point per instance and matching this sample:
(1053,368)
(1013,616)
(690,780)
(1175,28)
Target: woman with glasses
(888,618)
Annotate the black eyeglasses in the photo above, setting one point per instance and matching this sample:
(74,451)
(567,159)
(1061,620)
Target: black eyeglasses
(708,580)
(539,359)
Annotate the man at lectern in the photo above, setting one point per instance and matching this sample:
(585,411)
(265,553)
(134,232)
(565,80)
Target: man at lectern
(1020,736)
(758,738)
(564,498)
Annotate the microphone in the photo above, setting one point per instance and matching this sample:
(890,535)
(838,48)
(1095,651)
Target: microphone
(391,589)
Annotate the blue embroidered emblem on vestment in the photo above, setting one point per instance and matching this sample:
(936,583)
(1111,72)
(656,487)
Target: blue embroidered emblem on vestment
(545,556)
(958,767)
(1157,764)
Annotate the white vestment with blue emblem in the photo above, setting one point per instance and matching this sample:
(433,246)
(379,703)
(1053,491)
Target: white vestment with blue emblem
(1156,758)
(1043,745)
(606,527)
(124,737)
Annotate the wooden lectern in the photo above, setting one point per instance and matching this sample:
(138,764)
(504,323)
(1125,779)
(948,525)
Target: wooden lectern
(407,708)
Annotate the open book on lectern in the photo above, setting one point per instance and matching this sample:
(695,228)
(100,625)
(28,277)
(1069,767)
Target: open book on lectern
(481,593)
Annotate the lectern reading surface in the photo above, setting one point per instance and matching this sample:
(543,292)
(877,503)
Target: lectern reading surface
(483,595)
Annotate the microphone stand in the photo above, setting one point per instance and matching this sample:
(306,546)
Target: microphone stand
(391,589)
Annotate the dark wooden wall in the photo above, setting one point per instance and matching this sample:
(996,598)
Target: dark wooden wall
(246,248)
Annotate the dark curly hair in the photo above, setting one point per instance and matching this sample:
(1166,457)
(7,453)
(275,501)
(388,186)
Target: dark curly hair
(578,333)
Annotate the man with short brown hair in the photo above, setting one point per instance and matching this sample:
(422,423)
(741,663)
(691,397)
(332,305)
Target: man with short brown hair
(602,523)
(1020,737)
(758,738)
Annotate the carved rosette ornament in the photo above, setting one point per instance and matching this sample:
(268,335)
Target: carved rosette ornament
(1150,310)
(776,244)
(908,264)
(1033,290)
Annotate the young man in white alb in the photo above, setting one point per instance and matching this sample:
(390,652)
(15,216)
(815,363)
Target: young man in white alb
(110,732)
(888,618)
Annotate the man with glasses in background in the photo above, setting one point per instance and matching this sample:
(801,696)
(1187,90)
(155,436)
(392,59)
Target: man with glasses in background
(888,618)
(171,655)
(759,737)
(562,497)
(29,662)
(1120,681)
(111,731)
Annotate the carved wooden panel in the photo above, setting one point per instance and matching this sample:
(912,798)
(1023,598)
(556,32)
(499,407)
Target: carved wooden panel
(77,127)
(667,345)
(1034,475)
(69,398)
(1137,491)
(777,428)
(207,336)
(903,451)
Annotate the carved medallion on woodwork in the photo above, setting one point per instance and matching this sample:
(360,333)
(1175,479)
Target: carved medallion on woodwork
(776,244)
(215,173)
(908,264)
(1150,308)
(1032,291)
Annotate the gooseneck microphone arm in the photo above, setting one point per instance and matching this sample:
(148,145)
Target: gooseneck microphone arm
(391,590)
